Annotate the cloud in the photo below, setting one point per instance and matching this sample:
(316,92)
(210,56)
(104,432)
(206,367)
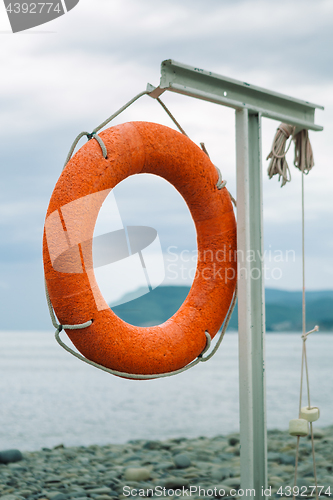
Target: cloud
(228,35)
(54,85)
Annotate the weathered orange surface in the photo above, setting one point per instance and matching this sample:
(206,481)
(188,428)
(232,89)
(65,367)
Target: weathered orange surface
(133,148)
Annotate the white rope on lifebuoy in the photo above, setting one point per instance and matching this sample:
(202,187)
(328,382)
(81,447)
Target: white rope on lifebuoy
(136,376)
(59,327)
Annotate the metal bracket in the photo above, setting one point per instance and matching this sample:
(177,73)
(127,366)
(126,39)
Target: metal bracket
(154,92)
(196,82)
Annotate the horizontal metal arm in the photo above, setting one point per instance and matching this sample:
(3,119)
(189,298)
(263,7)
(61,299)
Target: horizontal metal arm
(205,85)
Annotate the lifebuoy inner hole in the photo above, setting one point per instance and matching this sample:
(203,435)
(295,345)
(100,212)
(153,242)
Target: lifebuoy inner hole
(147,239)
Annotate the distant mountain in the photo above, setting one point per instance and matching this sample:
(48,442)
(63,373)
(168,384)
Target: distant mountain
(153,308)
(283,308)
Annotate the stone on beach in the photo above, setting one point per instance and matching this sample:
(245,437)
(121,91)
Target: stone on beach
(10,497)
(56,495)
(10,456)
(182,461)
(138,474)
(175,482)
(122,470)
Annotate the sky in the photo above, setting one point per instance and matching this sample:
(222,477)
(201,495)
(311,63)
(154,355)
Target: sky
(68,75)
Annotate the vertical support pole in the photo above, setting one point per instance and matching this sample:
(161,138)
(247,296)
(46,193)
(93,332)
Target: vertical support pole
(251,303)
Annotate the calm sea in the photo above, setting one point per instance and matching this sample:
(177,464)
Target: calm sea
(48,397)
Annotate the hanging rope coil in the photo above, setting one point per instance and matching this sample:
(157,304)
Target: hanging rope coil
(278,164)
(303,152)
(303,157)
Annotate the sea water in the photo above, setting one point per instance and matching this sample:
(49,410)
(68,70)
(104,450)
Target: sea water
(48,397)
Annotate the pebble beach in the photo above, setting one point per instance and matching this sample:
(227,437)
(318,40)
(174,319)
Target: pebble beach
(174,468)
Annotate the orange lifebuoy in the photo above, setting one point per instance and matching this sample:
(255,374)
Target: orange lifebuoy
(133,148)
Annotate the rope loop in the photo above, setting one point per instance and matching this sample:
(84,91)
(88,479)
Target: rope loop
(101,144)
(92,135)
(304,336)
(220,183)
(278,164)
(208,343)
(286,129)
(136,376)
(303,160)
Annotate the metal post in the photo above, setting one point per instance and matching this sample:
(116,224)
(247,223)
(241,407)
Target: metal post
(250,103)
(251,316)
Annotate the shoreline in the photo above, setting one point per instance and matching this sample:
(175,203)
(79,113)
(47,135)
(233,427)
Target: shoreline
(201,468)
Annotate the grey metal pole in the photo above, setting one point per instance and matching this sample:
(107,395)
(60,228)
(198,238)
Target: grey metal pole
(251,315)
